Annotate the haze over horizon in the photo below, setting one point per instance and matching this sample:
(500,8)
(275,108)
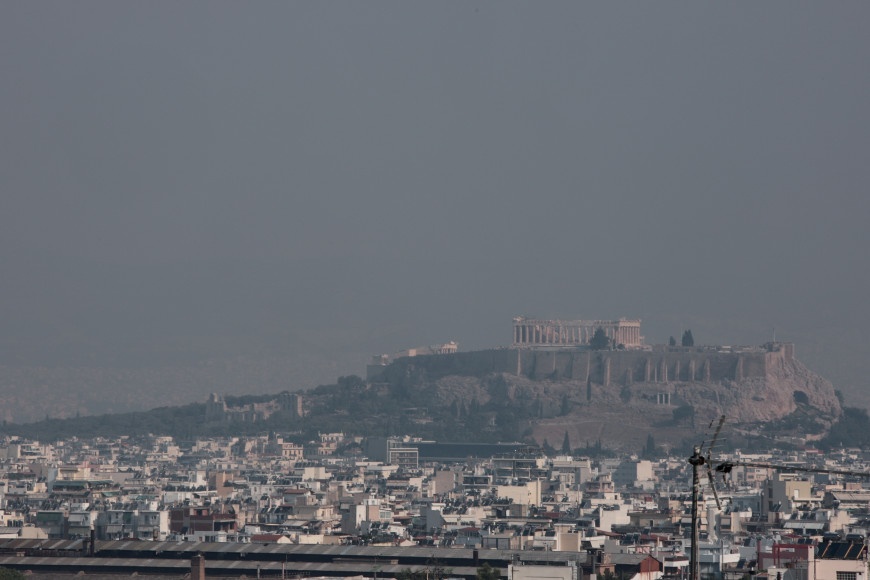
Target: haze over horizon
(300,185)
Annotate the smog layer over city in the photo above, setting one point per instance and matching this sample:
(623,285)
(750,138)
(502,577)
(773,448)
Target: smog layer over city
(550,290)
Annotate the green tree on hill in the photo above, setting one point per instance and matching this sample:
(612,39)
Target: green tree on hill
(649,450)
(599,340)
(688,339)
(548,449)
(853,429)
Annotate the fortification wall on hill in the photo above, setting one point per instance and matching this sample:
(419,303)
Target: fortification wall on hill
(627,367)
(660,365)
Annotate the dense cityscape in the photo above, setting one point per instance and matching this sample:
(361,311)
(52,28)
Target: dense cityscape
(478,290)
(359,504)
(626,516)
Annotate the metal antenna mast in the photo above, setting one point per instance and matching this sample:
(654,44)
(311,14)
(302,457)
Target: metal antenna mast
(724,467)
(696,461)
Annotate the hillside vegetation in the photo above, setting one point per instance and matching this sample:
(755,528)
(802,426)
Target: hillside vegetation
(493,406)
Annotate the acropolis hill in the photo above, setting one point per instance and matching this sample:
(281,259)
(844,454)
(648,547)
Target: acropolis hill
(549,382)
(638,388)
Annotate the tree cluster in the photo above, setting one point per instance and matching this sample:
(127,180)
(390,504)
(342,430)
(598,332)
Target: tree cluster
(686,340)
(853,429)
(599,340)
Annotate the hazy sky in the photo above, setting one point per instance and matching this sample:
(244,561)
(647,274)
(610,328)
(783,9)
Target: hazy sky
(368,176)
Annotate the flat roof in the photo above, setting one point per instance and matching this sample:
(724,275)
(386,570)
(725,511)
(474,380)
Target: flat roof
(263,552)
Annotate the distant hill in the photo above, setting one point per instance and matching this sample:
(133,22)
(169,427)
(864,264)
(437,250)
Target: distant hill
(30,392)
(617,398)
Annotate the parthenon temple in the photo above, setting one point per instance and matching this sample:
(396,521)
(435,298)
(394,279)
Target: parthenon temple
(530,332)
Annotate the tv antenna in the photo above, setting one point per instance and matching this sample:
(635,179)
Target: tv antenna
(697,459)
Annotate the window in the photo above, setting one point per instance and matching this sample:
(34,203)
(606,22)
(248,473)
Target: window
(847,576)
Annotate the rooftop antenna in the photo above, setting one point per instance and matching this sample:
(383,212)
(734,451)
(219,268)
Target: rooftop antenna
(696,460)
(724,467)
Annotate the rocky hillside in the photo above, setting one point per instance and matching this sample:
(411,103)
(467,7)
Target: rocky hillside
(623,416)
(436,398)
